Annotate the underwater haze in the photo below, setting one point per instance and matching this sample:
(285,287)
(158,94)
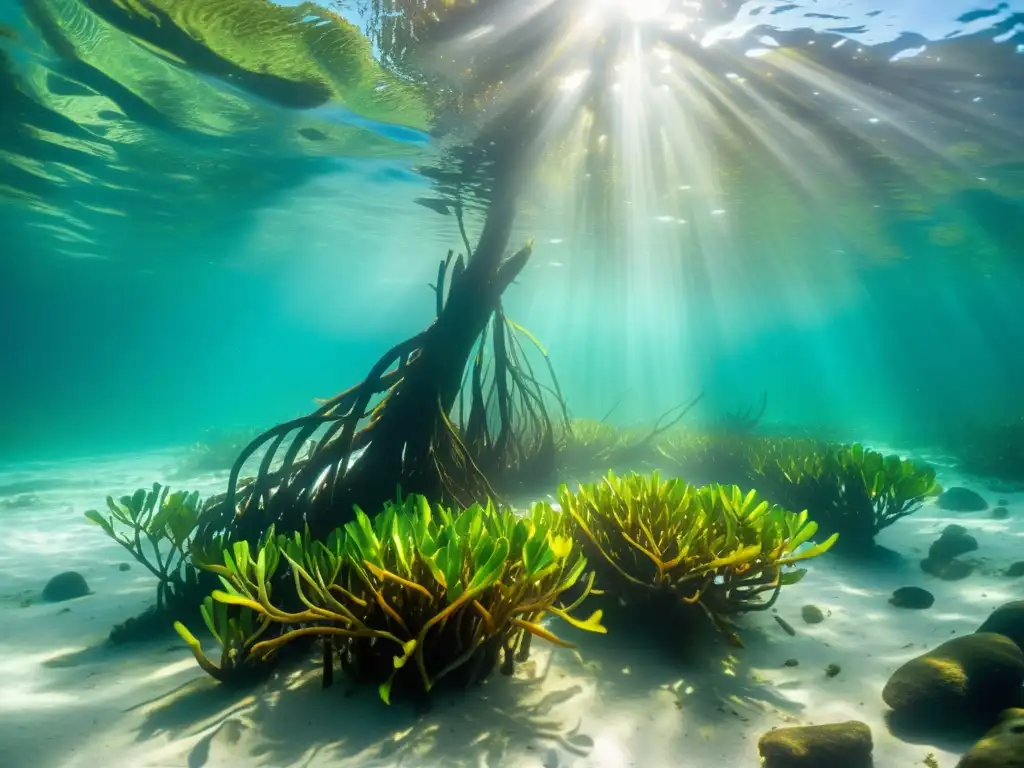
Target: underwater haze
(749,245)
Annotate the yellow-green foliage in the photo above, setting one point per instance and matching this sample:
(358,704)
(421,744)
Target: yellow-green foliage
(850,489)
(235,628)
(716,545)
(163,520)
(418,584)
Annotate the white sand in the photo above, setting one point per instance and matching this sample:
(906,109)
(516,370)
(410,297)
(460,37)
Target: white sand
(68,700)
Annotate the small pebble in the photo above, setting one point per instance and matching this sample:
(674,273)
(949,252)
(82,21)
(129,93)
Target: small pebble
(832,670)
(124,567)
(791,663)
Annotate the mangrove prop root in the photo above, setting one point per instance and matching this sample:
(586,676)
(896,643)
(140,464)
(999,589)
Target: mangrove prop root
(407,438)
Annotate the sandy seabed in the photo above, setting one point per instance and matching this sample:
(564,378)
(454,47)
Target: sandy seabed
(68,699)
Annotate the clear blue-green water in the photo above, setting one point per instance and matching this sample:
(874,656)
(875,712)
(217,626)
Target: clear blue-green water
(188,246)
(213,212)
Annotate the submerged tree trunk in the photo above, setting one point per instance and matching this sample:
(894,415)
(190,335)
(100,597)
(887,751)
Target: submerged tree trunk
(405,442)
(407,439)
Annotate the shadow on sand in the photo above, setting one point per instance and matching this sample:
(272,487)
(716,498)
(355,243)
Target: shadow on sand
(290,720)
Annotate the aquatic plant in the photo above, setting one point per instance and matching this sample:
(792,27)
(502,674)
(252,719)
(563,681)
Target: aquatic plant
(715,546)
(419,592)
(235,628)
(165,522)
(851,490)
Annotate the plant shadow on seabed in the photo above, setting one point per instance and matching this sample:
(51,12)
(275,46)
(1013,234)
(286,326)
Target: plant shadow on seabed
(289,721)
(535,715)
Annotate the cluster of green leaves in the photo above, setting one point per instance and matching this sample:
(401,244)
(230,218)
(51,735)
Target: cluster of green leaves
(443,590)
(165,522)
(851,490)
(714,545)
(235,628)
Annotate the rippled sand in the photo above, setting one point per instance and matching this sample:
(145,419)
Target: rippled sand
(69,700)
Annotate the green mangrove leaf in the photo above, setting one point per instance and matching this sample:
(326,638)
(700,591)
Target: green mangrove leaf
(590,624)
(94,516)
(820,549)
(537,555)
(455,592)
(736,558)
(806,534)
(452,562)
(487,574)
(792,577)
(224,597)
(207,609)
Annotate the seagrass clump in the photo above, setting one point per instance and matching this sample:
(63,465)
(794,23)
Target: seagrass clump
(850,490)
(718,547)
(416,595)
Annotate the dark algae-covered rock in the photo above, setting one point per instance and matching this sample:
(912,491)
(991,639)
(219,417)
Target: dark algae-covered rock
(959,499)
(65,586)
(1016,570)
(954,570)
(1008,620)
(1002,746)
(944,551)
(1000,513)
(953,542)
(967,680)
(912,597)
(838,745)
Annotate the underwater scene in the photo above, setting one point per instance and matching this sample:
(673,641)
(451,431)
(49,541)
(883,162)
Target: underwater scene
(512,383)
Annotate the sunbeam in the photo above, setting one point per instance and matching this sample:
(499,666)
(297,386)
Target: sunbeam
(680,158)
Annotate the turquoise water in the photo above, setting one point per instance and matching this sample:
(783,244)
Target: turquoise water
(802,218)
(188,246)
